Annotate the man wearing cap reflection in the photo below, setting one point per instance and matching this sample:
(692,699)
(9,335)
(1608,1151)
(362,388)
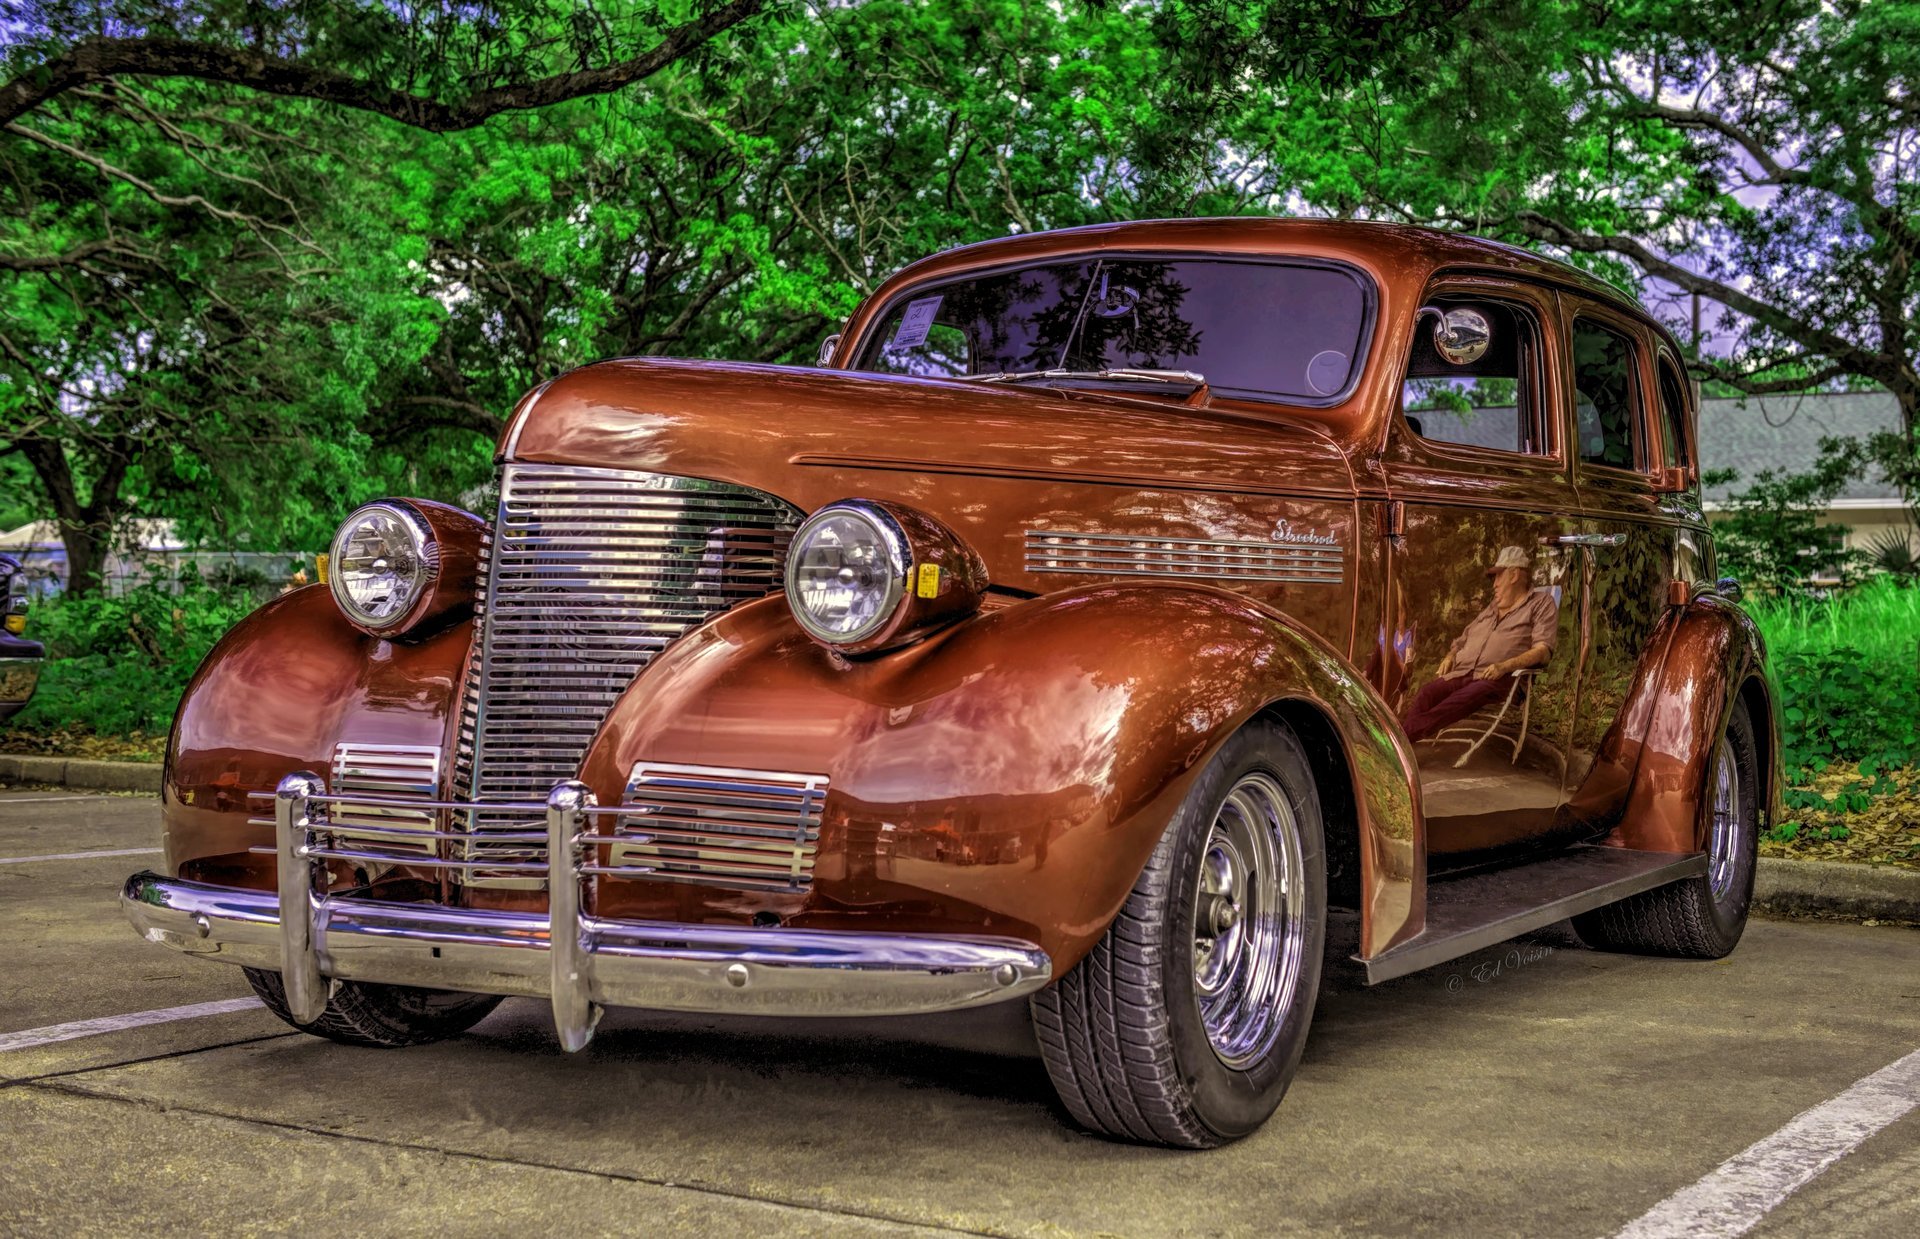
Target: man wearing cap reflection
(1515,631)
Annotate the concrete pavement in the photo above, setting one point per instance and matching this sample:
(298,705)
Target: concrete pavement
(1536,1089)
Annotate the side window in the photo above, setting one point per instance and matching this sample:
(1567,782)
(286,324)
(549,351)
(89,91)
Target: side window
(1603,394)
(1489,403)
(1673,413)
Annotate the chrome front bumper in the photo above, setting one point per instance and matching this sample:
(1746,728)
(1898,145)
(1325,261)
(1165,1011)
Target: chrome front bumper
(579,962)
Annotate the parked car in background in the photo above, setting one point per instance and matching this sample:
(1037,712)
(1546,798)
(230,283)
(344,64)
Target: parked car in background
(1112,612)
(20,658)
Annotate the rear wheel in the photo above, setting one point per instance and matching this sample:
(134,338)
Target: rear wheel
(1700,917)
(384,1016)
(1184,1025)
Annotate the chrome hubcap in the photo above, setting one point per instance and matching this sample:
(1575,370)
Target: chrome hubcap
(1723,836)
(1249,920)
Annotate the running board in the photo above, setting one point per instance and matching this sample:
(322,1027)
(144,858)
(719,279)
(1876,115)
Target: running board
(1469,914)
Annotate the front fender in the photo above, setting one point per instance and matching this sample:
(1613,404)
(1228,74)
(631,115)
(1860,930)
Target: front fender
(275,695)
(1652,765)
(1012,774)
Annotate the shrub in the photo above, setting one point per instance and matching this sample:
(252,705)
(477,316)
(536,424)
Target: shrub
(118,665)
(1848,669)
(1771,537)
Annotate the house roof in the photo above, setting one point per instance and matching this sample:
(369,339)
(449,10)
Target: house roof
(1784,432)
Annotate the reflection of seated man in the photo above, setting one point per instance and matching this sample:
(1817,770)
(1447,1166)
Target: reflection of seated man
(1516,631)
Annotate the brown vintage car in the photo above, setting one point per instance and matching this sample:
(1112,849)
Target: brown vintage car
(1110,613)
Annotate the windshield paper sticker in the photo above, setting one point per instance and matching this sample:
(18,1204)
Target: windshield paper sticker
(915,322)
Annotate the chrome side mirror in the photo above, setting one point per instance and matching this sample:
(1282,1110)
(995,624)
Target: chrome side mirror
(1460,335)
(827,349)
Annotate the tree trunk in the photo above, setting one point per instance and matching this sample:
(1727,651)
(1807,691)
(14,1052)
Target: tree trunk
(86,557)
(86,530)
(1907,478)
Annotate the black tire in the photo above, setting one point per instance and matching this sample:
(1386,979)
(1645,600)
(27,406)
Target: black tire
(381,1016)
(1122,1034)
(1686,919)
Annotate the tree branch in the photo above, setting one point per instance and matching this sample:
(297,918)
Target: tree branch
(1839,348)
(257,225)
(95,59)
(1708,368)
(75,257)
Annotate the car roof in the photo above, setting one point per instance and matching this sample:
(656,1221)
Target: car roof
(1399,251)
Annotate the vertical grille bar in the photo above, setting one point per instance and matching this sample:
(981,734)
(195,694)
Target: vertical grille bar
(591,572)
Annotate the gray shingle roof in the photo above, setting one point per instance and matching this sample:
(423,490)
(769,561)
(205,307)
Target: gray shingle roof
(1784,433)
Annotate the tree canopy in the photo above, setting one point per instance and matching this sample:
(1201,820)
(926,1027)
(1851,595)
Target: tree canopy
(261,259)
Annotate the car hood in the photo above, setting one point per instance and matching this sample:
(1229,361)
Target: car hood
(786,429)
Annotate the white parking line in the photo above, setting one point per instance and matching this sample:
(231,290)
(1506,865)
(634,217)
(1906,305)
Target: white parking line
(1748,1186)
(5,800)
(114,1023)
(26,860)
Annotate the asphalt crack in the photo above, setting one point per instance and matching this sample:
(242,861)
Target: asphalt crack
(149,1058)
(61,1084)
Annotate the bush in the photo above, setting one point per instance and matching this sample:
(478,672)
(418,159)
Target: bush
(118,665)
(1848,668)
(1771,537)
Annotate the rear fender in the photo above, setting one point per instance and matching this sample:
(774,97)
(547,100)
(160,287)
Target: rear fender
(1013,773)
(1652,767)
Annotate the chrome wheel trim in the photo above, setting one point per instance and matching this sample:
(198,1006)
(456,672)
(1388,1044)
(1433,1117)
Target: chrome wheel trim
(1249,920)
(1724,828)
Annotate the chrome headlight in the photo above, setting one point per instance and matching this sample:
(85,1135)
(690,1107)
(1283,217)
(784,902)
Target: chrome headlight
(383,560)
(846,572)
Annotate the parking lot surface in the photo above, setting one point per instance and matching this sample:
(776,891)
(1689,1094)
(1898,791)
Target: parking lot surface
(1535,1089)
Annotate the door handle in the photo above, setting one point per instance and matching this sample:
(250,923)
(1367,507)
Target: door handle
(1590,539)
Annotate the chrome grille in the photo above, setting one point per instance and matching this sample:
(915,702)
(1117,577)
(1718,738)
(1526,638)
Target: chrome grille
(756,829)
(591,572)
(386,772)
(1104,554)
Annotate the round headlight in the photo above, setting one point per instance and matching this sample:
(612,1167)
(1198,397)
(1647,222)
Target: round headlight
(383,559)
(846,572)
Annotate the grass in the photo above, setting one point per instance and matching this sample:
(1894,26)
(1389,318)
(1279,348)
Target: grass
(1879,620)
(1849,673)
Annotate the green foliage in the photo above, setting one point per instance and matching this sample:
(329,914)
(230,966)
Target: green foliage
(1848,670)
(1894,552)
(1772,538)
(118,665)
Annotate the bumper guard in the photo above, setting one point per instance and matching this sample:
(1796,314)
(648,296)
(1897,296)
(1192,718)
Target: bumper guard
(581,963)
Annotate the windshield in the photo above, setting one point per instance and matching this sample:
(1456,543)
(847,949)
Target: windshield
(1264,329)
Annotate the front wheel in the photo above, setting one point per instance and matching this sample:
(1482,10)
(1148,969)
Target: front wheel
(1184,1025)
(382,1016)
(1700,917)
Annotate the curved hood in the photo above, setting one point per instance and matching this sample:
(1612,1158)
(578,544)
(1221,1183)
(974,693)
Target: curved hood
(769,426)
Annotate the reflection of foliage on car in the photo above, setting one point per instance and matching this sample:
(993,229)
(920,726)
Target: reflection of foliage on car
(1132,309)
(1603,394)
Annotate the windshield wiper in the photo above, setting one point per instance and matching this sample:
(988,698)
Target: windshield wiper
(1185,381)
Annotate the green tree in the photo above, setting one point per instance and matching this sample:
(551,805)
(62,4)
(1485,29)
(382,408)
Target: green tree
(1761,157)
(203,266)
(741,206)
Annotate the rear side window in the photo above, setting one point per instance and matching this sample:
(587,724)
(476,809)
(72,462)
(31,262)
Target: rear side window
(1673,412)
(1603,395)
